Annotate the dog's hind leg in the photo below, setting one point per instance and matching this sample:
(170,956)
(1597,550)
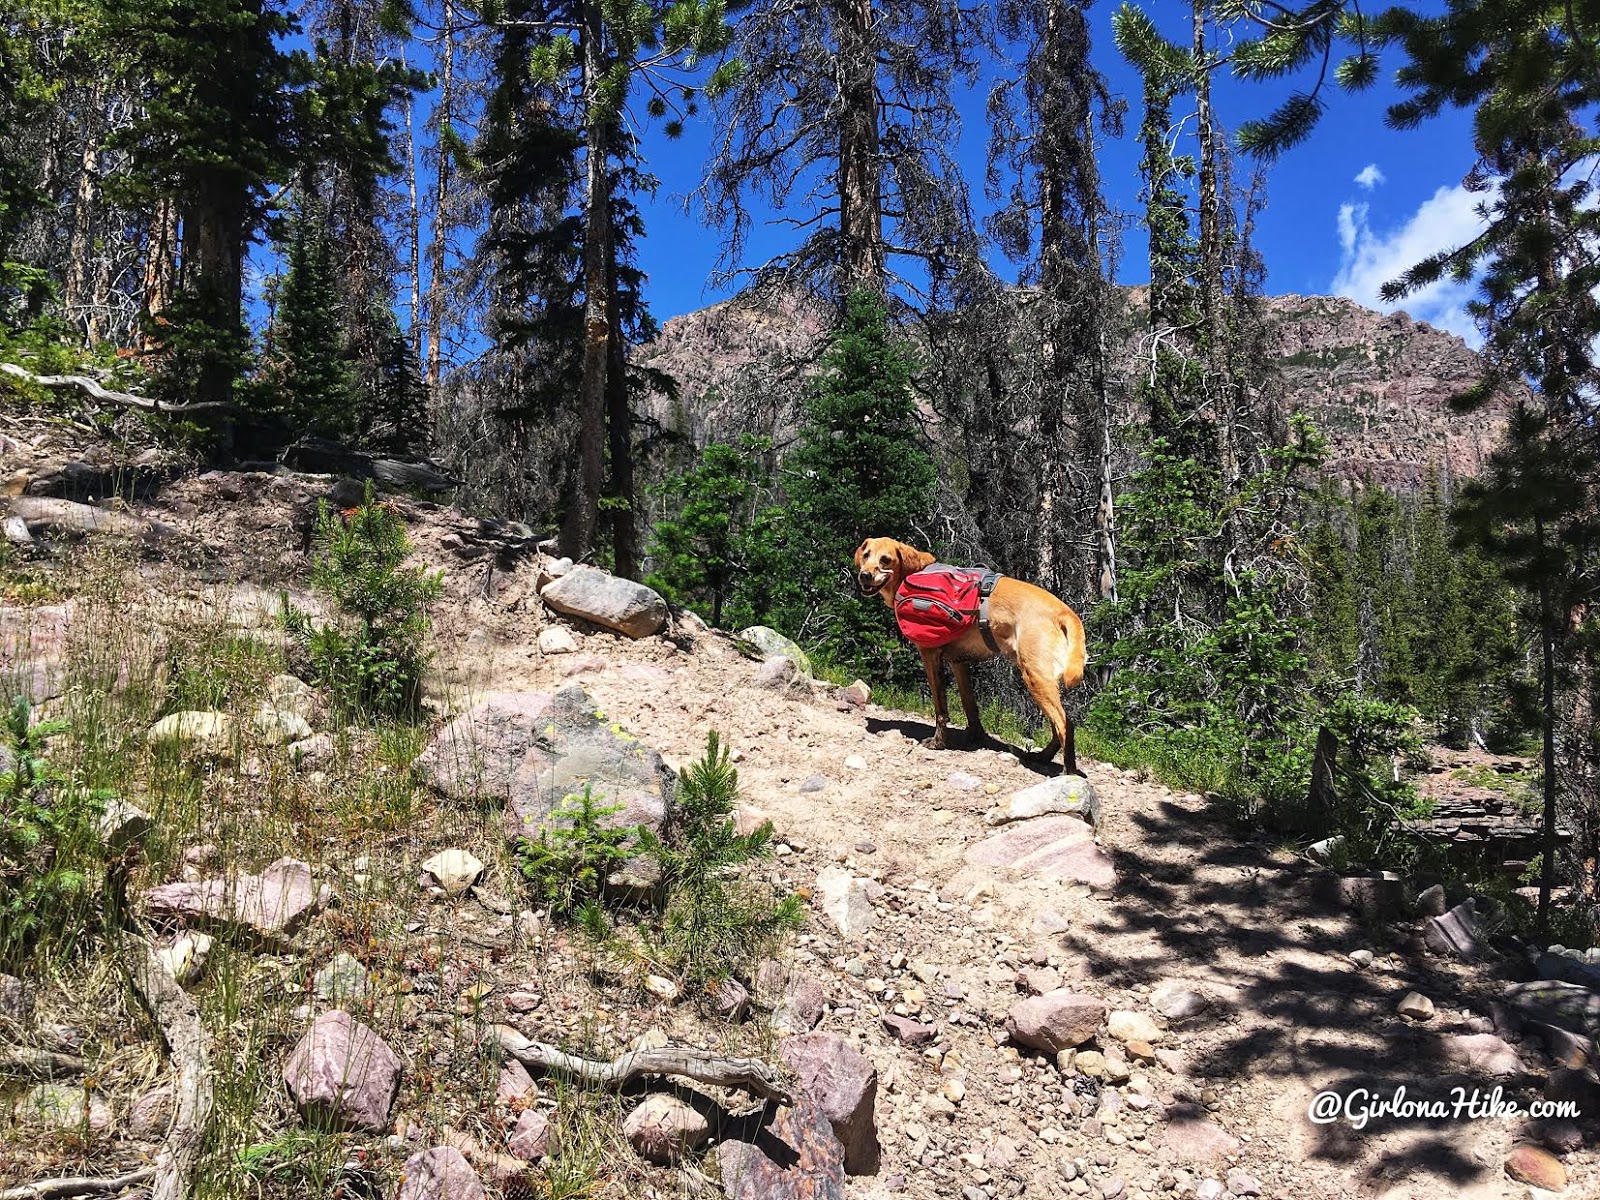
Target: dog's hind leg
(1046,692)
(969,703)
(933,664)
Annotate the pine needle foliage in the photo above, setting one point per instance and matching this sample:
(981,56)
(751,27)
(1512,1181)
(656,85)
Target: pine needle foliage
(568,864)
(371,655)
(715,922)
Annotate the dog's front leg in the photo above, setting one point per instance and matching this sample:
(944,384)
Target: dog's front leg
(933,664)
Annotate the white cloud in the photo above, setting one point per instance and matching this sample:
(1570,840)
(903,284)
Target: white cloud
(1370,176)
(1370,258)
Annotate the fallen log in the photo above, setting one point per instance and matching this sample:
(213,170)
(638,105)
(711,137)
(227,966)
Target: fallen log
(749,1074)
(319,456)
(70,517)
(94,389)
(24,1062)
(82,1185)
(178,1020)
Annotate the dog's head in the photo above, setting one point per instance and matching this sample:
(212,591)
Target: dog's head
(881,563)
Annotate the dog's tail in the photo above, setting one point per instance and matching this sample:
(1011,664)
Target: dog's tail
(1071,626)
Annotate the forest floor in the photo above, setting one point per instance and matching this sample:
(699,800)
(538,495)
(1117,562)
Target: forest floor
(1190,904)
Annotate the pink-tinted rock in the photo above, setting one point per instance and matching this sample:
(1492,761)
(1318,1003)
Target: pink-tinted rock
(272,906)
(441,1173)
(1053,847)
(342,1075)
(33,649)
(515,1083)
(530,1139)
(1482,1053)
(841,1080)
(1036,981)
(1193,1137)
(731,1000)
(1536,1167)
(912,1033)
(795,1157)
(1056,1021)
(663,1128)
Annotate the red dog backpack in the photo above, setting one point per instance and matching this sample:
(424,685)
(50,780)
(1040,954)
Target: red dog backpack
(937,605)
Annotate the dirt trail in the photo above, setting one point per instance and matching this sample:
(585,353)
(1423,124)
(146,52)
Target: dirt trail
(1253,930)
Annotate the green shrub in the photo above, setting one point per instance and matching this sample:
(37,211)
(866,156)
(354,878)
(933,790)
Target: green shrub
(568,866)
(371,654)
(715,923)
(48,839)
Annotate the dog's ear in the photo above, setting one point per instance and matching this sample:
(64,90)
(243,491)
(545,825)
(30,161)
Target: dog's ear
(911,559)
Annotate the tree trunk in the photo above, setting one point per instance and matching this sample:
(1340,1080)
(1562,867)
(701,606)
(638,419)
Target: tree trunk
(78,289)
(619,431)
(413,239)
(160,273)
(1547,730)
(860,162)
(441,194)
(213,272)
(1105,524)
(578,532)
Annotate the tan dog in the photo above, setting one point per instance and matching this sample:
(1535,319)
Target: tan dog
(1036,633)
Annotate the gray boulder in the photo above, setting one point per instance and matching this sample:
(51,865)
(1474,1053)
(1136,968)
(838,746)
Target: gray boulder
(1572,970)
(1569,1006)
(342,1075)
(1455,933)
(620,604)
(1065,794)
(761,642)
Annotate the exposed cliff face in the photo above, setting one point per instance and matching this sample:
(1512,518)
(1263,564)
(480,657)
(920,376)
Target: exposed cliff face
(1379,386)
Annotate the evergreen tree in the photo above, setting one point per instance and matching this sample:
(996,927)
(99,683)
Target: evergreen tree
(213,132)
(308,366)
(859,471)
(711,552)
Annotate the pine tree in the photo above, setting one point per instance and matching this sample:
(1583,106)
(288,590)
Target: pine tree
(708,552)
(308,367)
(859,471)
(213,132)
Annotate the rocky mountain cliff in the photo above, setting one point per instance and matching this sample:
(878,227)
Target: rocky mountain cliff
(1378,385)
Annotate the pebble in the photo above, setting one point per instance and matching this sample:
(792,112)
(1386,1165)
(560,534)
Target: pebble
(1416,1006)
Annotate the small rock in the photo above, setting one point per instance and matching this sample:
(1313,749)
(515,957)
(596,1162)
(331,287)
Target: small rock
(1536,1167)
(68,1109)
(1112,1187)
(1431,901)
(315,751)
(1089,1062)
(1562,1137)
(342,978)
(441,1173)
(1210,1189)
(844,899)
(515,1083)
(454,870)
(858,694)
(963,782)
(762,642)
(730,1000)
(557,639)
(1483,1053)
(778,674)
(845,1085)
(151,1114)
(529,1140)
(209,734)
(122,824)
(278,728)
(662,988)
(907,1031)
(1036,981)
(663,1128)
(1241,1184)
(342,1075)
(801,1006)
(1056,1021)
(1361,958)
(621,604)
(1177,1003)
(856,763)
(813,783)
(1416,1006)
(1128,1026)
(1065,794)
(16,1000)
(1455,933)
(291,694)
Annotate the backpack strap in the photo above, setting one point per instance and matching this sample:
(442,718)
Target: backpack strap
(985,587)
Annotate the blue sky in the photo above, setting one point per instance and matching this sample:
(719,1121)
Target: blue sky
(1345,212)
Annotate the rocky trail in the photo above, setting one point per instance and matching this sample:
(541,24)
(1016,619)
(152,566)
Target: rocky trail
(1124,998)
